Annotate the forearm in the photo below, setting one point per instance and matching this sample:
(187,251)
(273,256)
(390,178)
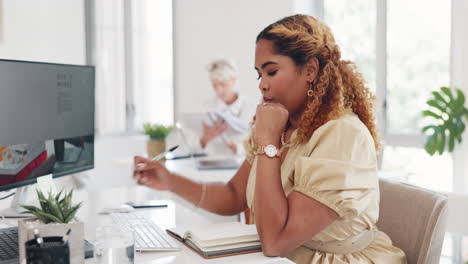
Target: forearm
(219,198)
(271,205)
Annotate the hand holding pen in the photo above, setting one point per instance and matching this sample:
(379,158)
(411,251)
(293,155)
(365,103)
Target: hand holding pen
(160,156)
(152,173)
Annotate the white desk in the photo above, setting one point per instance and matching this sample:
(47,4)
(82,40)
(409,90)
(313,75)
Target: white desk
(178,213)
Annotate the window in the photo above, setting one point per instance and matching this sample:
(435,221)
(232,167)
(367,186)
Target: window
(132,52)
(392,42)
(152,62)
(415,166)
(353,24)
(413,42)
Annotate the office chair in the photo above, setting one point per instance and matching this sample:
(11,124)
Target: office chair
(415,219)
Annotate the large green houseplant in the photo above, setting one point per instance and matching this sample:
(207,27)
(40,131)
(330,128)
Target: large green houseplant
(157,134)
(54,216)
(447,116)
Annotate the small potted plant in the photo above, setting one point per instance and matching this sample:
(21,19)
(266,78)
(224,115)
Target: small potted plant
(157,134)
(447,115)
(54,217)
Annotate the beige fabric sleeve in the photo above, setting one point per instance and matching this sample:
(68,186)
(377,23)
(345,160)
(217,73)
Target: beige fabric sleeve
(341,170)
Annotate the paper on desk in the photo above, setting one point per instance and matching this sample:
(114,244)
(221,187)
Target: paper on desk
(235,123)
(46,184)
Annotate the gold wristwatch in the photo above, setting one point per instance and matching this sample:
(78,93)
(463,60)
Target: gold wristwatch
(269,150)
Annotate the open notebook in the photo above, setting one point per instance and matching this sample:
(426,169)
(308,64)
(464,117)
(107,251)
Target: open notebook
(219,240)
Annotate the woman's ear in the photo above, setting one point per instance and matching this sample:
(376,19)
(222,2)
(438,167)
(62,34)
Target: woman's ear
(312,67)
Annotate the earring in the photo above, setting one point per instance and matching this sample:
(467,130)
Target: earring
(310,92)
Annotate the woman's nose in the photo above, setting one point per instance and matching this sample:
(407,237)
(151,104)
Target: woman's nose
(263,86)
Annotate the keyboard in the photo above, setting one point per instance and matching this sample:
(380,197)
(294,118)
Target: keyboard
(9,245)
(148,236)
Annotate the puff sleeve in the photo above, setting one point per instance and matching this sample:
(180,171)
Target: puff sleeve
(340,168)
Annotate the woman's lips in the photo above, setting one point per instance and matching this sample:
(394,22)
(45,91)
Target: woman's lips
(267,100)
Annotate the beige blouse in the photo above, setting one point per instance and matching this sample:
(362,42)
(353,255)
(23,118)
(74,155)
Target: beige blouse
(338,168)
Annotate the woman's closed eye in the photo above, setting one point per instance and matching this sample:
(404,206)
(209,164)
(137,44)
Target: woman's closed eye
(272,73)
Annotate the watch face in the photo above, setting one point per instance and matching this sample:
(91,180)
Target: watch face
(270,151)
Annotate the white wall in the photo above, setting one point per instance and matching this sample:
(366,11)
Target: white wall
(208,29)
(46,30)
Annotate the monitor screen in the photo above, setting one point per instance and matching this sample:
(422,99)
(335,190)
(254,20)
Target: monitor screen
(46,121)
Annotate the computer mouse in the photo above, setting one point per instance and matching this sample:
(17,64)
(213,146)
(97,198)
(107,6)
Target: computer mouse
(124,208)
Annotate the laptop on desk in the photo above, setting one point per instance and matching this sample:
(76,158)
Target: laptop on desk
(217,164)
(202,161)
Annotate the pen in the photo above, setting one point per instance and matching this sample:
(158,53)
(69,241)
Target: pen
(65,237)
(147,205)
(38,238)
(160,156)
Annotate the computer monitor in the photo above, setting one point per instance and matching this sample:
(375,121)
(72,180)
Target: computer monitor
(46,122)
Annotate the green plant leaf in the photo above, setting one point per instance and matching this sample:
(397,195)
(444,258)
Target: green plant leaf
(31,208)
(447,91)
(458,106)
(42,200)
(446,128)
(44,205)
(439,98)
(460,127)
(157,131)
(54,208)
(57,196)
(460,96)
(441,143)
(434,127)
(430,113)
(435,104)
(51,218)
(451,142)
(72,213)
(40,194)
(430,145)
(68,200)
(43,219)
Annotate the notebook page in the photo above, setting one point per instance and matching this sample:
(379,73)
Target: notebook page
(223,231)
(225,241)
(226,247)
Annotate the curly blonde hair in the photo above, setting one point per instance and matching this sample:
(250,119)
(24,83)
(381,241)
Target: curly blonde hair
(338,86)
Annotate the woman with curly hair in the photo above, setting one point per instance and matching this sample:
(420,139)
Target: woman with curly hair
(310,174)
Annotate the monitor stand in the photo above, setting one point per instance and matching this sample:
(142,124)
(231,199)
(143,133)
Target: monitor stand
(15,210)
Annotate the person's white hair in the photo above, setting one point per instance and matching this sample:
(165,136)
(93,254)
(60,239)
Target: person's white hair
(222,69)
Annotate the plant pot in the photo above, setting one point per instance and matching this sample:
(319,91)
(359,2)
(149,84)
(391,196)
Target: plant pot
(156,147)
(26,227)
